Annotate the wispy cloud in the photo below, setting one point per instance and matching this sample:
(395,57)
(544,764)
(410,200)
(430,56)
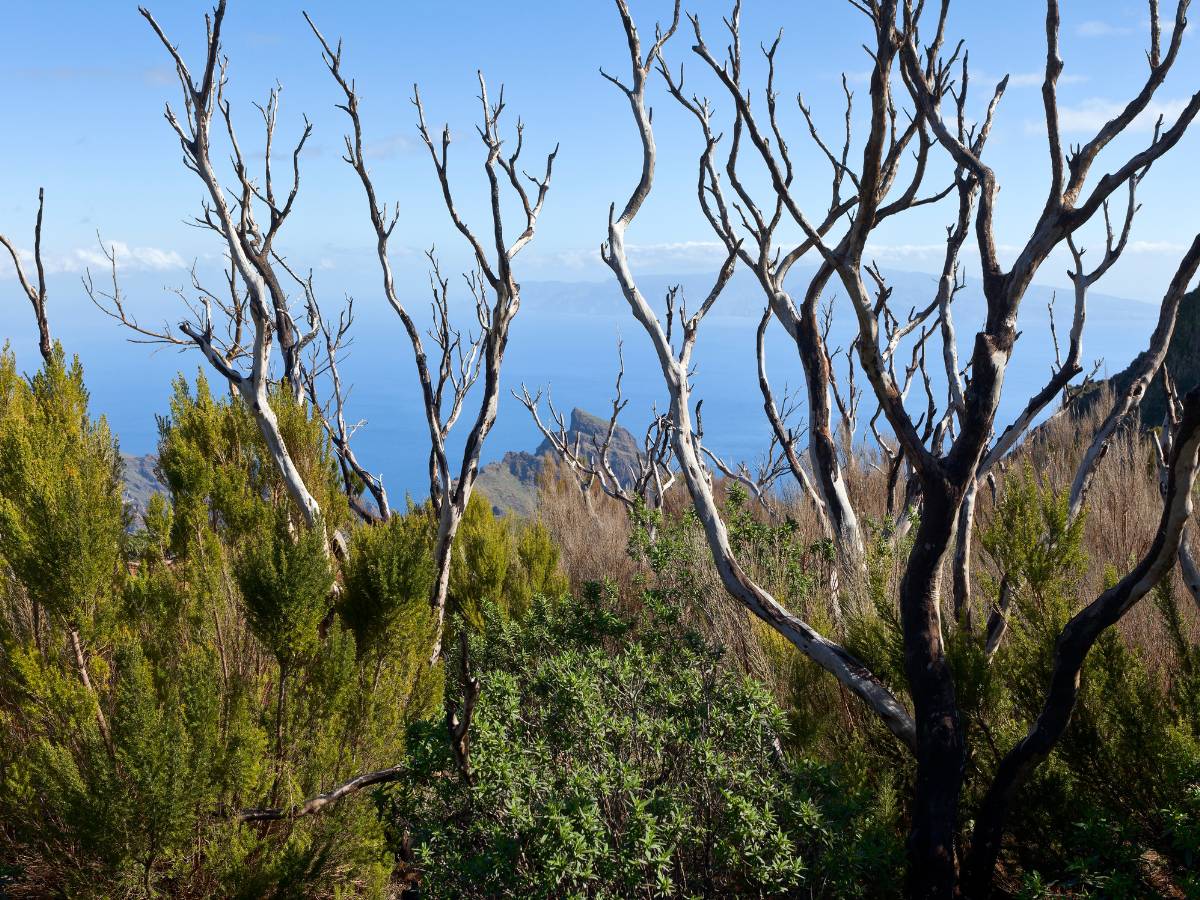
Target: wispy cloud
(1093,113)
(913,254)
(1096,28)
(1157,247)
(388,147)
(151,75)
(932,254)
(677,256)
(1028,79)
(707,254)
(131,259)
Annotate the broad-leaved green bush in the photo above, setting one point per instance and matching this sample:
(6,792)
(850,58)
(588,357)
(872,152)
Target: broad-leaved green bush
(617,756)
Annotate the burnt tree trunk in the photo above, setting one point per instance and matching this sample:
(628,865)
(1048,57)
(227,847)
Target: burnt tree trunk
(932,869)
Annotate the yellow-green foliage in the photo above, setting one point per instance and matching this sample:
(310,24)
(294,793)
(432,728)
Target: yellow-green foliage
(215,461)
(496,562)
(1033,541)
(188,627)
(385,605)
(389,577)
(285,581)
(538,573)
(482,550)
(61,519)
(1126,773)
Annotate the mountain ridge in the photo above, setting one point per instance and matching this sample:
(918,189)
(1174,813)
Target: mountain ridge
(510,483)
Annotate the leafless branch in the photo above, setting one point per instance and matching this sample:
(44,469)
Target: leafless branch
(36,295)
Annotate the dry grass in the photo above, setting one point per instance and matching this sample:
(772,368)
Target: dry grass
(1122,514)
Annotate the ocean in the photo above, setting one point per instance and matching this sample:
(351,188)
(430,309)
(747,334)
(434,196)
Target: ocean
(564,340)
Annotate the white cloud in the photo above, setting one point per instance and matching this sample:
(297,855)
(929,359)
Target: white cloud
(896,253)
(130,259)
(936,252)
(1093,113)
(388,147)
(904,252)
(1095,28)
(578,260)
(1169,247)
(1030,79)
(677,256)
(708,254)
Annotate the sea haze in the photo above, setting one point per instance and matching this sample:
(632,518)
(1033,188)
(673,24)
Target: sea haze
(565,339)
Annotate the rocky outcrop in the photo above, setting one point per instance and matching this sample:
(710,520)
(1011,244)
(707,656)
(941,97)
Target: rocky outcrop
(140,474)
(1183,362)
(511,483)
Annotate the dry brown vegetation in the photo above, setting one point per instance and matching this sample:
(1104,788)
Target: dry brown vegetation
(1122,515)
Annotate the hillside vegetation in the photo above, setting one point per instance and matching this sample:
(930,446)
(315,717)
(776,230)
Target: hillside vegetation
(174,689)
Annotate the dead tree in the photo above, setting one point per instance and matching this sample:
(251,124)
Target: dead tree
(1163,445)
(242,360)
(945,449)
(646,480)
(784,437)
(493,286)
(771,266)
(36,295)
(335,340)
(675,360)
(742,222)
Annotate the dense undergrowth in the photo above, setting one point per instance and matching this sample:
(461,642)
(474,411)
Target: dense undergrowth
(636,733)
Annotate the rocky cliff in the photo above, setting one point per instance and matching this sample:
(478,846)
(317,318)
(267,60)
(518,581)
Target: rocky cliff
(1183,362)
(511,483)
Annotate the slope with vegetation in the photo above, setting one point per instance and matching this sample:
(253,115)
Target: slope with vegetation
(955,662)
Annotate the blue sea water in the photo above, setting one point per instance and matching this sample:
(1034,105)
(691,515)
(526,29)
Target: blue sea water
(565,339)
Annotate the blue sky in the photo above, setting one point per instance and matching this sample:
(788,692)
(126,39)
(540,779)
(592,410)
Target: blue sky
(85,84)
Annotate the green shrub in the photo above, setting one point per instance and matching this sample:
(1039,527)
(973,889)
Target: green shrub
(496,560)
(1116,791)
(61,513)
(613,757)
(285,581)
(188,628)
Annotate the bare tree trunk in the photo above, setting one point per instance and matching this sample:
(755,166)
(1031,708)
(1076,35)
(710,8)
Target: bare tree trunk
(241,235)
(675,365)
(822,447)
(997,623)
(1191,572)
(36,295)
(449,518)
(931,842)
(101,721)
(493,272)
(962,556)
